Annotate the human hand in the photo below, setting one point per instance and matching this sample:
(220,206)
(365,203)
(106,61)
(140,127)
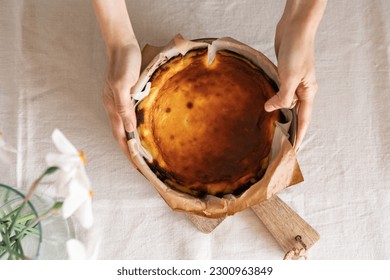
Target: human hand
(124,57)
(123,72)
(296,70)
(294,48)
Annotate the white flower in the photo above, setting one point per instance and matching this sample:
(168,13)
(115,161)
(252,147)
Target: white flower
(78,251)
(69,160)
(78,202)
(73,181)
(5,149)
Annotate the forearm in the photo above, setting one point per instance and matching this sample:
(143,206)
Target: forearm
(304,14)
(114,24)
(300,21)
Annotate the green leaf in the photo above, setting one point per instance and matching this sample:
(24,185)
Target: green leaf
(57,205)
(49,171)
(26,218)
(17,215)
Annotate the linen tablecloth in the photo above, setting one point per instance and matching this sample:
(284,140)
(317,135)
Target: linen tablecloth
(52,69)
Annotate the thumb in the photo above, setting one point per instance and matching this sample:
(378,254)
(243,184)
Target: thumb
(273,104)
(283,99)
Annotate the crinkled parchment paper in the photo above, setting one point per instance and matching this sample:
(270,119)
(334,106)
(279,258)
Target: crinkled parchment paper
(283,169)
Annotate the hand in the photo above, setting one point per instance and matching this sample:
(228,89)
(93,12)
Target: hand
(124,59)
(294,47)
(123,73)
(295,55)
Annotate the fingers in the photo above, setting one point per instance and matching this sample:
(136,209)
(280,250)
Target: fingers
(123,74)
(284,98)
(122,100)
(305,110)
(120,136)
(123,107)
(116,124)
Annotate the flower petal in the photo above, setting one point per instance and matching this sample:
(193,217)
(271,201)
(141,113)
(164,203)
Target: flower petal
(62,161)
(61,183)
(84,214)
(76,197)
(76,250)
(62,143)
(82,177)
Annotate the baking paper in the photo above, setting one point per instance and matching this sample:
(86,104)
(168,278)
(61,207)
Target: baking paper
(283,169)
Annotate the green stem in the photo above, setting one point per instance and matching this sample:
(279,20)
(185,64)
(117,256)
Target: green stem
(53,210)
(11,244)
(2,253)
(15,254)
(34,185)
(11,227)
(25,230)
(6,240)
(26,218)
(30,231)
(31,190)
(4,218)
(19,249)
(14,249)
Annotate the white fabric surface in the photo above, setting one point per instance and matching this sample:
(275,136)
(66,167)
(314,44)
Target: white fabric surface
(52,66)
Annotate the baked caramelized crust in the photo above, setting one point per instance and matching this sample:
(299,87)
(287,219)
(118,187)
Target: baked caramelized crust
(205,125)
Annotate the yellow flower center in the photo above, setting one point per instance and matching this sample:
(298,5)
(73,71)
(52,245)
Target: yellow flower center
(90,193)
(83,158)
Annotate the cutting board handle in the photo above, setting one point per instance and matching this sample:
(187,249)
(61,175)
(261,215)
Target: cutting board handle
(292,233)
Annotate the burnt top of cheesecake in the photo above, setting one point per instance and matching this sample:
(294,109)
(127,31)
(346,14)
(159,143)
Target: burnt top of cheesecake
(205,125)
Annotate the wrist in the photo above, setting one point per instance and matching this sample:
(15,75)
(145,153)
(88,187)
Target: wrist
(121,42)
(120,47)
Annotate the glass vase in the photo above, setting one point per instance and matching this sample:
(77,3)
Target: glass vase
(21,242)
(47,239)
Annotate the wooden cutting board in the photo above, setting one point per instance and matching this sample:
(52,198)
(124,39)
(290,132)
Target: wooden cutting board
(294,235)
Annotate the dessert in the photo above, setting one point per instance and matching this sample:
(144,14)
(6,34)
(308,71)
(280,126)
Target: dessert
(205,125)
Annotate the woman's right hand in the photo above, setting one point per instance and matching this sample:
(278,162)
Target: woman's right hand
(294,47)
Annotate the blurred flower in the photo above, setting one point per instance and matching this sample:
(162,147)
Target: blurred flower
(5,149)
(73,181)
(69,160)
(78,251)
(73,186)
(78,202)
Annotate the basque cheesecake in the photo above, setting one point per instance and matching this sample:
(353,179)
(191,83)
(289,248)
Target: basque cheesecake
(205,125)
